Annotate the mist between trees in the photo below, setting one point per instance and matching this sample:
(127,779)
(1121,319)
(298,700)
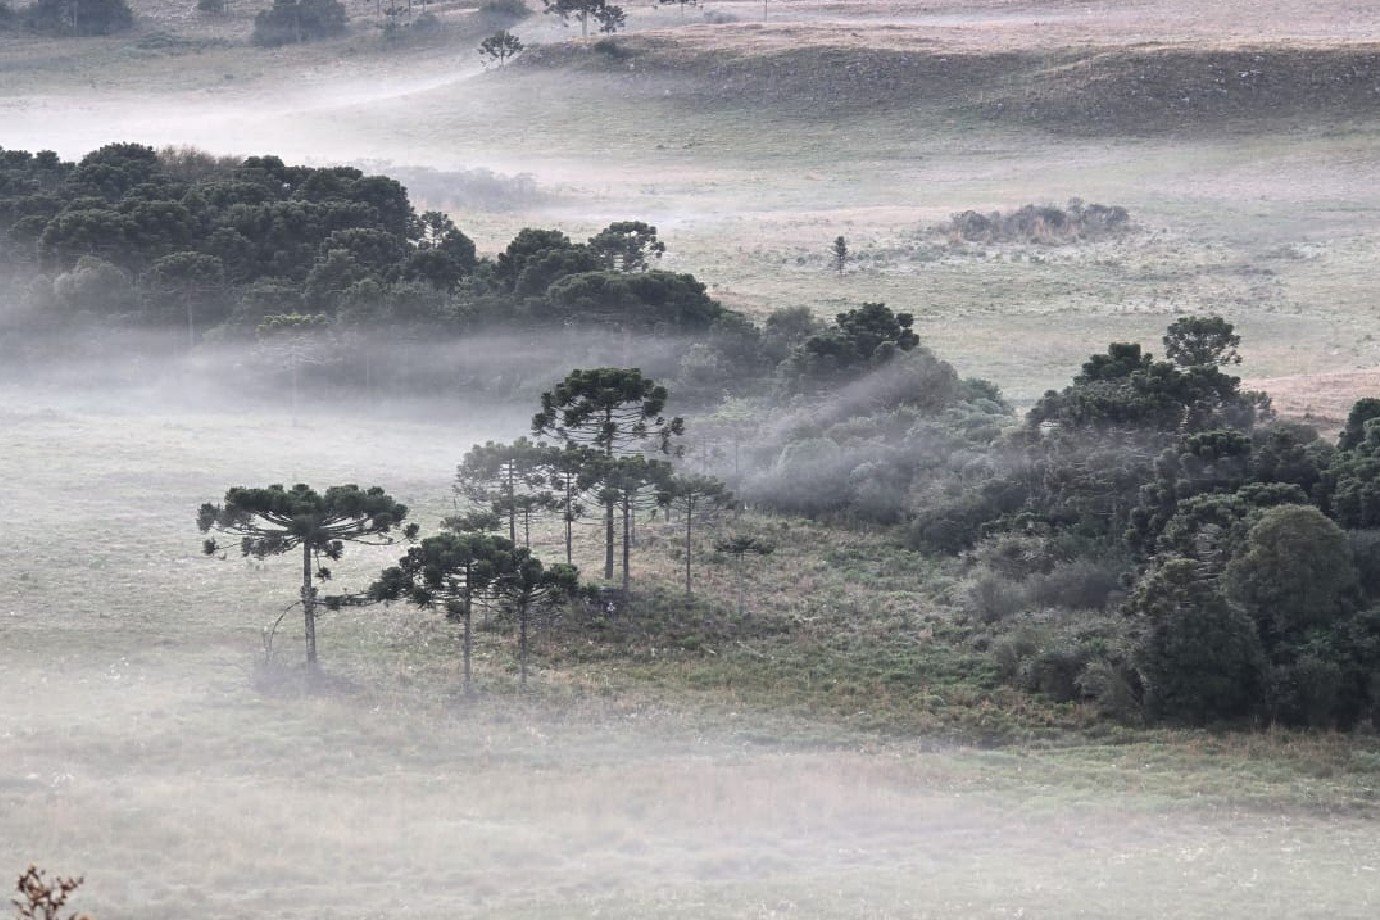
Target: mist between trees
(1149,539)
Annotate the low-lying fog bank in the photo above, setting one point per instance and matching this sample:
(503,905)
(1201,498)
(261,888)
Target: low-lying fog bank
(143,747)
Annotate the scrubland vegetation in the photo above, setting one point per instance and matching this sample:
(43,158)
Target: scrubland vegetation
(698,471)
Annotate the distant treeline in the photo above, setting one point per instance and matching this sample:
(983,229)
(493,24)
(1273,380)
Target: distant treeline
(232,248)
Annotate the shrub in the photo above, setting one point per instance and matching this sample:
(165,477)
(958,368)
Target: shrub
(1306,692)
(1296,572)
(514,9)
(995,597)
(291,21)
(1202,662)
(1114,686)
(1083,584)
(1365,555)
(1040,224)
(1055,670)
(84,17)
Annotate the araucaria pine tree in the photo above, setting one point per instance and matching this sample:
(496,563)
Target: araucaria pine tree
(511,480)
(273,521)
(450,571)
(613,412)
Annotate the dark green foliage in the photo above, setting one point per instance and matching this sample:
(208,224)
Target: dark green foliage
(1355,432)
(616,415)
(1200,659)
(1212,528)
(1202,341)
(860,340)
(444,571)
(1223,462)
(786,329)
(455,571)
(1125,388)
(1294,574)
(1352,484)
(511,480)
(76,17)
(291,21)
(626,246)
(609,409)
(645,301)
(516,9)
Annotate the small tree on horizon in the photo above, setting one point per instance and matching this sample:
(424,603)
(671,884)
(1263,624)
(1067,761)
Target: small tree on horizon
(839,254)
(500,47)
(273,521)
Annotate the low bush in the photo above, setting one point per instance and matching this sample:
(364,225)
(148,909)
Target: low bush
(291,21)
(89,17)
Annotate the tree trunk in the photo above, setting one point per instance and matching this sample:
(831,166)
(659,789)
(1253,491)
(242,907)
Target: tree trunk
(608,538)
(627,543)
(469,636)
(689,515)
(608,501)
(522,642)
(512,506)
(309,608)
(569,527)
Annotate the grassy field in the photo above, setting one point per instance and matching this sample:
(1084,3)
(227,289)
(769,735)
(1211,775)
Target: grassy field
(839,751)
(802,762)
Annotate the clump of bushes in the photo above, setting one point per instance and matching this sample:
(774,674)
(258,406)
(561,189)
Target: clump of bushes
(511,9)
(291,21)
(1040,224)
(75,17)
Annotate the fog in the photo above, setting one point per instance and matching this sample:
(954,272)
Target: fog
(149,743)
(146,746)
